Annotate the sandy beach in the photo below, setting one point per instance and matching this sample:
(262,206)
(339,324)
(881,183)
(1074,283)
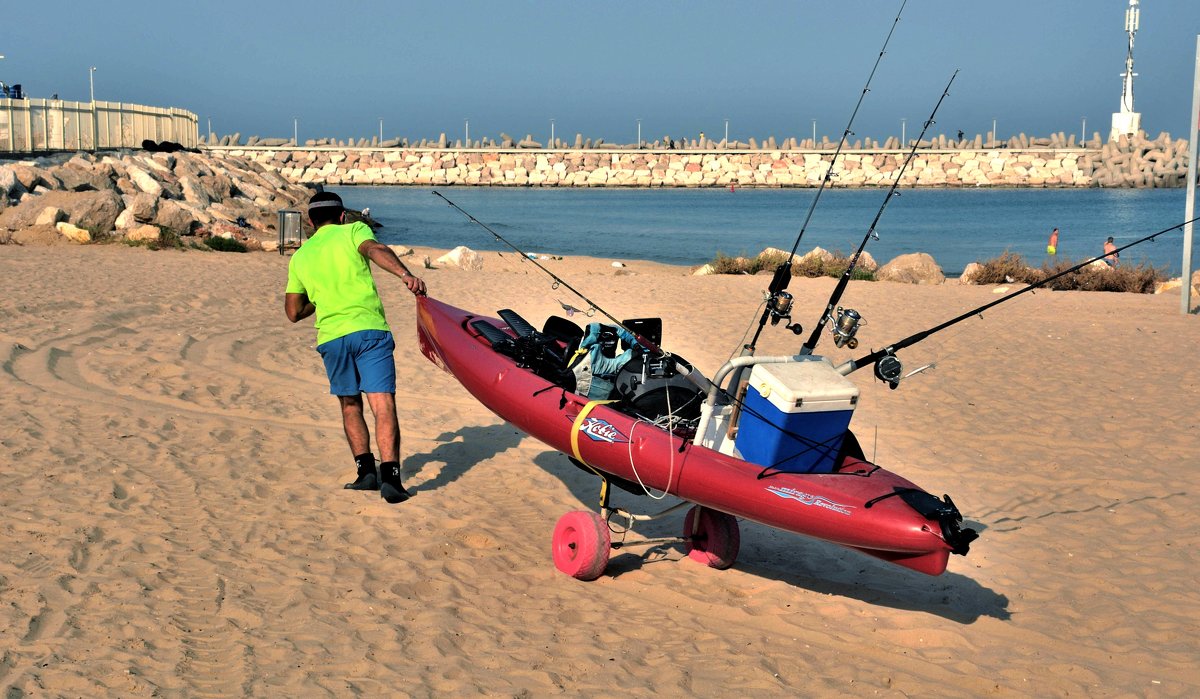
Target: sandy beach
(174,522)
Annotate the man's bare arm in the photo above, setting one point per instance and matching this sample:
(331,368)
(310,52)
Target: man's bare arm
(383,256)
(297,307)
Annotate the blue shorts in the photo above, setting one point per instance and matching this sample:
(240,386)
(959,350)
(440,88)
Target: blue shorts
(360,362)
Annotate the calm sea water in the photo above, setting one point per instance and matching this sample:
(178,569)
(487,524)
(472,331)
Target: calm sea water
(690,226)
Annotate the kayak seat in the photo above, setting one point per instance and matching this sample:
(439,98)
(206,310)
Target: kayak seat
(531,350)
(565,332)
(562,329)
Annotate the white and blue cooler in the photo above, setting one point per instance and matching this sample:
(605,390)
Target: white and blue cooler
(795,415)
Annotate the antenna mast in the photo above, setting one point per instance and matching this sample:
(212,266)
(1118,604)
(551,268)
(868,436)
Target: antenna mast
(1127,122)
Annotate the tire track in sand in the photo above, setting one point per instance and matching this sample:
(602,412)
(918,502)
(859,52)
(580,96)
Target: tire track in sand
(214,662)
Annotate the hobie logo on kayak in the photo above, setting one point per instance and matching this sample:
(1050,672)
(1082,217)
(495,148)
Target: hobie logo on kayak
(810,500)
(602,431)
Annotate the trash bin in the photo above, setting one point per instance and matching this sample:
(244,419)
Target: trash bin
(289,229)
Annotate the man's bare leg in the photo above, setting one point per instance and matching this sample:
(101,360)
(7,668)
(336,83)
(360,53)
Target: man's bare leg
(387,436)
(383,405)
(359,439)
(387,425)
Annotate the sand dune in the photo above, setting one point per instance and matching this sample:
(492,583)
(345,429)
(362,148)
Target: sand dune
(174,524)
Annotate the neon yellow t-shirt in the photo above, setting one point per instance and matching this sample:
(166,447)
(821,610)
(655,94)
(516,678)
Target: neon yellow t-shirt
(337,279)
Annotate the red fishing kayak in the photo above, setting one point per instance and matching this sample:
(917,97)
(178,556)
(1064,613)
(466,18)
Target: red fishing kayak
(853,503)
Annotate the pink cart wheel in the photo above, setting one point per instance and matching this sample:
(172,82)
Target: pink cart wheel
(713,537)
(581,544)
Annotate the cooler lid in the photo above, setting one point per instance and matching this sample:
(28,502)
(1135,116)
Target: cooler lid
(809,385)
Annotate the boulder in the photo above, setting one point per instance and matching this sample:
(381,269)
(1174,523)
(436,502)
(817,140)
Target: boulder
(9,186)
(817,253)
(913,268)
(144,206)
(462,257)
(144,232)
(125,220)
(49,216)
(866,262)
(217,186)
(32,177)
(159,162)
(704,270)
(174,218)
(78,179)
(73,232)
(194,191)
(97,210)
(970,273)
(144,181)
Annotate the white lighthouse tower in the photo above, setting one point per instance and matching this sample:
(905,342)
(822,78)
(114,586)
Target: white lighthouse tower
(1127,122)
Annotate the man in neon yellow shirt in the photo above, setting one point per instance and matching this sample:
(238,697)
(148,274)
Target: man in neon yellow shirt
(330,275)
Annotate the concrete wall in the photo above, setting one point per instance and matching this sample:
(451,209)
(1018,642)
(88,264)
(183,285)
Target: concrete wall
(37,125)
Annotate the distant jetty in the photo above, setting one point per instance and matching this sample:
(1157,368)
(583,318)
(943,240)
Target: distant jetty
(1054,161)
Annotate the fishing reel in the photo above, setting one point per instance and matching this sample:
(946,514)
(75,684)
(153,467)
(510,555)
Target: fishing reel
(845,327)
(888,369)
(779,306)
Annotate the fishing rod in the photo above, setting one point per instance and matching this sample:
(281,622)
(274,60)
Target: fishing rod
(779,301)
(558,281)
(888,367)
(847,322)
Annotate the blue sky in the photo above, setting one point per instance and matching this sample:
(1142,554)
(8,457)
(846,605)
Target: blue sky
(770,67)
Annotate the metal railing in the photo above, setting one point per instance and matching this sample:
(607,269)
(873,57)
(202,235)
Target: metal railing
(40,125)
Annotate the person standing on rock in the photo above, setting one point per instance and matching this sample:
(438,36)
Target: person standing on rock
(1111,256)
(1052,246)
(330,276)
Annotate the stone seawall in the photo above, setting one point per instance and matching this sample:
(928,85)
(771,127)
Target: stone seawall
(645,168)
(1128,163)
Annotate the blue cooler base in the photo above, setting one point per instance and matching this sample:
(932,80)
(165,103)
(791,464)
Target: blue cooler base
(762,442)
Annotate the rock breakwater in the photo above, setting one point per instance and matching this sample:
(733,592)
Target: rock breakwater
(1022,162)
(141,195)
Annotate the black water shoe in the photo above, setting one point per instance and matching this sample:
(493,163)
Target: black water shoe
(391,488)
(368,477)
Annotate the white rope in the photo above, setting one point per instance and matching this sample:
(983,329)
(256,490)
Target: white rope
(671,449)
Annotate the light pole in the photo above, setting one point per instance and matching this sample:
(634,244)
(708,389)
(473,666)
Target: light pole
(639,121)
(1083,131)
(552,133)
(727,133)
(466,132)
(814,133)
(903,132)
(381,129)
(295,131)
(92,90)
(995,136)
